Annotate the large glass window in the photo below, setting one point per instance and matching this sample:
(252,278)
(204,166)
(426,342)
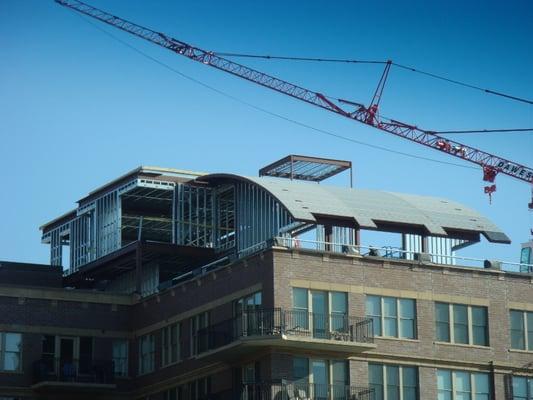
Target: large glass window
(325,312)
(300,369)
(120,357)
(462,324)
(146,354)
(170,344)
(480,334)
(198,389)
(392,317)
(339,311)
(315,378)
(393,382)
(250,302)
(462,385)
(10,351)
(300,301)
(442,321)
(199,333)
(49,352)
(521,330)
(522,388)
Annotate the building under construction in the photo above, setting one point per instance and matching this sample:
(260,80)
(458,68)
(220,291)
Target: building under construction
(170,284)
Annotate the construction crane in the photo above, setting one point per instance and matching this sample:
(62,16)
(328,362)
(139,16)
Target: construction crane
(368,115)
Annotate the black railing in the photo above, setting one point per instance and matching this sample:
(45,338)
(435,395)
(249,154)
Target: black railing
(303,391)
(82,370)
(270,322)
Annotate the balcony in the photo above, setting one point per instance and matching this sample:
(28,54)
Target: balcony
(72,375)
(276,327)
(303,391)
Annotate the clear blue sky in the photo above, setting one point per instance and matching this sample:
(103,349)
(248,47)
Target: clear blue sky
(78,108)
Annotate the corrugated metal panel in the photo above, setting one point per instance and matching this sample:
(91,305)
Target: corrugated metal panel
(304,200)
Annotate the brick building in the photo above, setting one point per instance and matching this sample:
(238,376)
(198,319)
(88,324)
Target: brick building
(182,285)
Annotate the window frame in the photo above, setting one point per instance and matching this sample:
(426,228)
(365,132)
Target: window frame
(309,380)
(472,382)
(385,384)
(3,352)
(167,345)
(529,387)
(398,318)
(125,360)
(332,316)
(526,315)
(452,324)
(151,353)
(194,327)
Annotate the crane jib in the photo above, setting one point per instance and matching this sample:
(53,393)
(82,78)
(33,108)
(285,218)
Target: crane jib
(366,115)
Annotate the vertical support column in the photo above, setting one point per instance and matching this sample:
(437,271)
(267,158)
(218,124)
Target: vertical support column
(425,244)
(138,267)
(328,236)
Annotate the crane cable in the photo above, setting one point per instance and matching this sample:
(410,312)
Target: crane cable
(352,61)
(263,110)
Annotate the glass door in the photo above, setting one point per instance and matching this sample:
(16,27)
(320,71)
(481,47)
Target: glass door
(319,316)
(320,379)
(67,358)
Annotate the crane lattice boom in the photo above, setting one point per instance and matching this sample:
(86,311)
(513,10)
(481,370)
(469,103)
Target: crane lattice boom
(490,163)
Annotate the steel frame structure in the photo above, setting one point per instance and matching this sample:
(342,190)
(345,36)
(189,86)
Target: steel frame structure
(491,164)
(229,217)
(306,168)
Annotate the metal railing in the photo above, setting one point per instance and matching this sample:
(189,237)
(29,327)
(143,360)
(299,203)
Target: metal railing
(82,370)
(397,253)
(303,391)
(270,322)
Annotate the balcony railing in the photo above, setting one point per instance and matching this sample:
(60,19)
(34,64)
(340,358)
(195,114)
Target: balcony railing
(271,322)
(82,370)
(303,391)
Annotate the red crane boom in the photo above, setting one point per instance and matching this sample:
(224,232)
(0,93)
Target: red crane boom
(491,164)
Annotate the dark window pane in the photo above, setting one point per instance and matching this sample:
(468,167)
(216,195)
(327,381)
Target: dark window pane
(299,298)
(443,331)
(480,326)
(338,302)
(517,330)
(460,323)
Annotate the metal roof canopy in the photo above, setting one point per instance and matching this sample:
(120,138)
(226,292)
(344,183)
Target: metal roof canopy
(306,168)
(375,210)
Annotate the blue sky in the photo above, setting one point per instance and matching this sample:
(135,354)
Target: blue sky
(78,108)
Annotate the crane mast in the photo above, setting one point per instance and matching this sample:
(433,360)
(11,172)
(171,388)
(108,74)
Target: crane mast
(368,115)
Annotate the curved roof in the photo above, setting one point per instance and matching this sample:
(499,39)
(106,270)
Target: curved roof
(371,208)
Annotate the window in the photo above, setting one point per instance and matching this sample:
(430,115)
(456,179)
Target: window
(49,352)
(300,301)
(314,378)
(198,389)
(300,370)
(322,311)
(392,317)
(120,357)
(522,330)
(461,324)
(85,355)
(393,382)
(461,385)
(199,333)
(170,343)
(522,388)
(146,354)
(252,301)
(10,351)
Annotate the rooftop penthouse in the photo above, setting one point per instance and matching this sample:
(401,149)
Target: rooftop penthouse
(155,226)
